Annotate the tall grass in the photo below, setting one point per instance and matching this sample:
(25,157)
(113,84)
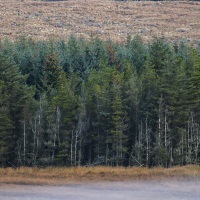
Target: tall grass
(64,175)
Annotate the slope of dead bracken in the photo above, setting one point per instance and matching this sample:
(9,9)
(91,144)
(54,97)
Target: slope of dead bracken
(64,175)
(100,18)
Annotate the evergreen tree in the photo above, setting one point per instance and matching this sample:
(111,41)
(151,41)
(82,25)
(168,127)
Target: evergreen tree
(16,106)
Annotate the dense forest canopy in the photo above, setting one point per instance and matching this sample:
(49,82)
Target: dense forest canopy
(97,102)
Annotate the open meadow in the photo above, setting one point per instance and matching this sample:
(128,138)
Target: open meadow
(104,19)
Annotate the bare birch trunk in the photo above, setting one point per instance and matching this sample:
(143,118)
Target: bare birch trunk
(80,153)
(24,141)
(147,143)
(159,124)
(165,129)
(182,147)
(72,138)
(75,149)
(107,154)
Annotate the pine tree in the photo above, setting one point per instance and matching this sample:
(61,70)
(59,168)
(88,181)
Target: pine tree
(16,106)
(6,126)
(118,117)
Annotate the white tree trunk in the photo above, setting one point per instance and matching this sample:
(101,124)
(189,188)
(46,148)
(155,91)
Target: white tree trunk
(24,123)
(165,129)
(159,125)
(72,138)
(75,148)
(147,142)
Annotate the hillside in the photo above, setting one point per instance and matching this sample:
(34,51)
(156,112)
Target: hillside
(104,19)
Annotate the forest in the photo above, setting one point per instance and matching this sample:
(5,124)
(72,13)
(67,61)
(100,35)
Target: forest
(91,102)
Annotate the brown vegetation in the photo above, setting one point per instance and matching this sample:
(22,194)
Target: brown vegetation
(61,175)
(103,18)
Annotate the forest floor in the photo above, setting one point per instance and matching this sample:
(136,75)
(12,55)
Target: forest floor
(63,175)
(104,19)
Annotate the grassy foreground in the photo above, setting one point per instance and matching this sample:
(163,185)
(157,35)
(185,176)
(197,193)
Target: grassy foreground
(62,175)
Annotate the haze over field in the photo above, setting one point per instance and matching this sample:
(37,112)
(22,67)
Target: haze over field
(104,19)
(149,190)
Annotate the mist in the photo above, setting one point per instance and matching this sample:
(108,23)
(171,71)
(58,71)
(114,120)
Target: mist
(135,190)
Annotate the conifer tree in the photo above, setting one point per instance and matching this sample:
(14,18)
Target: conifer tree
(16,106)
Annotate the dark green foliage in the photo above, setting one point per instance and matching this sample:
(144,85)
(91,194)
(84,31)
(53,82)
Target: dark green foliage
(137,54)
(97,102)
(16,102)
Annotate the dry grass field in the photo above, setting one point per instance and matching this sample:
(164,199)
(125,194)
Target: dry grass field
(61,175)
(100,18)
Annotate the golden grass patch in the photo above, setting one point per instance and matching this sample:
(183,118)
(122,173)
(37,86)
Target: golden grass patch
(105,19)
(65,175)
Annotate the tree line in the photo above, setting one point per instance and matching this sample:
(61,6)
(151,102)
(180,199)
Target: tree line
(85,103)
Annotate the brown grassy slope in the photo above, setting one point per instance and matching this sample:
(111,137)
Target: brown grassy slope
(61,175)
(102,18)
